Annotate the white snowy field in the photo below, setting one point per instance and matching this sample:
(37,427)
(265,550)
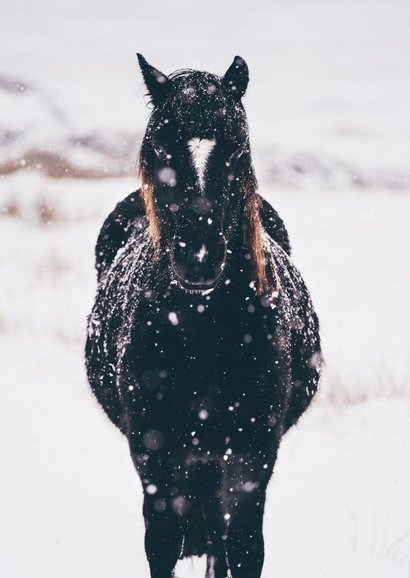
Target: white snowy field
(71,503)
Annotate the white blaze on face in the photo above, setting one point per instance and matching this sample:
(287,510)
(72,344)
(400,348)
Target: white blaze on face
(200,149)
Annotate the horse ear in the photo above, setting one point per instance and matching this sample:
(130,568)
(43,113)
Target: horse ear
(237,77)
(156,82)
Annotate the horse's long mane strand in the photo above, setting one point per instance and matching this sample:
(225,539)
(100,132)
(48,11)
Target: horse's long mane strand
(147,192)
(253,239)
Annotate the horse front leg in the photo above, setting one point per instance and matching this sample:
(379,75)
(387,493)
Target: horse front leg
(164,532)
(244,543)
(217,564)
(163,512)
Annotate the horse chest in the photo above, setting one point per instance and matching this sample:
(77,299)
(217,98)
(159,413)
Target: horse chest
(205,337)
(216,370)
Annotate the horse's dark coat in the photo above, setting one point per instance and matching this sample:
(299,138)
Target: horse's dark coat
(202,384)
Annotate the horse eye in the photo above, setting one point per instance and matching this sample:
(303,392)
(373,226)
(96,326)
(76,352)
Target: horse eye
(161,152)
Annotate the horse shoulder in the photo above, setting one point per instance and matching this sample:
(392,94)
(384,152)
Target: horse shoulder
(115,230)
(274,226)
(306,355)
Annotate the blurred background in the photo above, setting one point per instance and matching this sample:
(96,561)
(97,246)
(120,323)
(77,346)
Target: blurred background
(328,109)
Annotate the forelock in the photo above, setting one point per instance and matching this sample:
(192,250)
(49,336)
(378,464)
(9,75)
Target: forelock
(199,105)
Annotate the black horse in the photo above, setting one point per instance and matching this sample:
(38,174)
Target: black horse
(203,345)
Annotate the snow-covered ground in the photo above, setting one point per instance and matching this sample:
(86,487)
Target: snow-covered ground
(330,129)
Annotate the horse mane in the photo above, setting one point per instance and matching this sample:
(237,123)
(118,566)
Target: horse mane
(180,73)
(253,238)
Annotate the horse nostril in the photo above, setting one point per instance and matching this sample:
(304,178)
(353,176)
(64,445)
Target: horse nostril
(202,253)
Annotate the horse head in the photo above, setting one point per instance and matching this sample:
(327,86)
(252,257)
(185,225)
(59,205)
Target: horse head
(197,176)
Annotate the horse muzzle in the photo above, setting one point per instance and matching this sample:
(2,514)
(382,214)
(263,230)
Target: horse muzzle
(198,263)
